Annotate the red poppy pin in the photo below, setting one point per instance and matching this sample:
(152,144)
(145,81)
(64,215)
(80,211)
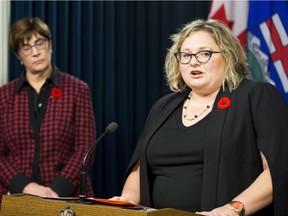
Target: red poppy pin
(56,92)
(224,103)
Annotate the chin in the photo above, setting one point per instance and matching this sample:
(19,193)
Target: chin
(41,68)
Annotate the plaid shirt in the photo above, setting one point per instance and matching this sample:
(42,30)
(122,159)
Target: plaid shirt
(66,132)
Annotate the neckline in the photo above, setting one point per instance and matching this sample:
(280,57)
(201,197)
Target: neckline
(179,122)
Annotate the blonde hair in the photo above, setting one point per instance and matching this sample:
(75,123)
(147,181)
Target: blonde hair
(232,50)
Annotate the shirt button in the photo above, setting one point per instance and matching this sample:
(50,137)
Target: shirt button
(40,105)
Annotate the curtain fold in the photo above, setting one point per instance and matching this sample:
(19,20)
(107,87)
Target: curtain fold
(118,48)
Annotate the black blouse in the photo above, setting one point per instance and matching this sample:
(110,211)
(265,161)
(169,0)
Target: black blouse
(175,156)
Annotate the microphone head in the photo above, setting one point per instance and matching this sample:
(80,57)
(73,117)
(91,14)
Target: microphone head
(112,127)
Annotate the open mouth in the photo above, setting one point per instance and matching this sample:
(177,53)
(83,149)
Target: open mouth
(195,72)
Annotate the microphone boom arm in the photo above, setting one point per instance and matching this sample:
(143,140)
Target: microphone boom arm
(111,128)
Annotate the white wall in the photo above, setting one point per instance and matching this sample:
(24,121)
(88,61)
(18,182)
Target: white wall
(4,27)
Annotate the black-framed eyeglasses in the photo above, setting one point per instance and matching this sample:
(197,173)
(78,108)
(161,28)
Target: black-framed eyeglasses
(201,56)
(39,44)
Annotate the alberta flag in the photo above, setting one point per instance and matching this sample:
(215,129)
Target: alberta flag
(265,28)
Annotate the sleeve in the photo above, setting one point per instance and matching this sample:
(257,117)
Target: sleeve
(160,110)
(157,115)
(18,183)
(10,177)
(271,122)
(137,151)
(85,135)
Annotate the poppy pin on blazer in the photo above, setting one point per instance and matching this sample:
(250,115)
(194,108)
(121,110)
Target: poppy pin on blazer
(56,92)
(224,103)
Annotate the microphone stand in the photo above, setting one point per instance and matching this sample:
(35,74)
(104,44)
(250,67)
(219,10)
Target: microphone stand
(111,128)
(83,174)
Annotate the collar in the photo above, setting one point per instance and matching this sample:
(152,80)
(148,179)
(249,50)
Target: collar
(54,78)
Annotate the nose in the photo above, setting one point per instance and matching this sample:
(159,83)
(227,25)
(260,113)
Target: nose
(193,61)
(35,51)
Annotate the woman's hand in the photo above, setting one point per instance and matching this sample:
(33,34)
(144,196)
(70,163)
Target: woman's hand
(131,189)
(39,190)
(124,198)
(220,211)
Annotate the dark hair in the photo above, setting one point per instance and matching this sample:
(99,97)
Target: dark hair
(23,30)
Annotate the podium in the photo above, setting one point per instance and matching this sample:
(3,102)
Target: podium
(27,205)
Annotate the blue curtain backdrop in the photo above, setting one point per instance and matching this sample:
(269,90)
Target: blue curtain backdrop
(118,48)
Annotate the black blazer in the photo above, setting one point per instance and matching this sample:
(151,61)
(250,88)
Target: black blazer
(257,119)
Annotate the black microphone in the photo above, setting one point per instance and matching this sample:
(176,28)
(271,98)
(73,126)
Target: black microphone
(111,128)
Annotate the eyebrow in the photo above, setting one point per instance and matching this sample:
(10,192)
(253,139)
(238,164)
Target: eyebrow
(34,42)
(199,49)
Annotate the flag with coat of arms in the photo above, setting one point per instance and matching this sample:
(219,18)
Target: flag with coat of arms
(262,28)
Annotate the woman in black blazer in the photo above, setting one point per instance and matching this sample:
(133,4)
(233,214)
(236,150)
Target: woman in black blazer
(218,144)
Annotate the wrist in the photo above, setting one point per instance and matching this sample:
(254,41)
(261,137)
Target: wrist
(238,207)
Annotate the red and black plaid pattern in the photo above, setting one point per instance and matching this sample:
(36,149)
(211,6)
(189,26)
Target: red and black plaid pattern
(67,131)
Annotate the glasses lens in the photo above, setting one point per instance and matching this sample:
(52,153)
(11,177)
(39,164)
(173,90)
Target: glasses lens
(203,56)
(183,57)
(40,43)
(25,49)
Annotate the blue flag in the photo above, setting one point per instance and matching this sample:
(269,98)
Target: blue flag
(267,43)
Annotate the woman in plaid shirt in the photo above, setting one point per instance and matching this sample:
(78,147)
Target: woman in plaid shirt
(46,120)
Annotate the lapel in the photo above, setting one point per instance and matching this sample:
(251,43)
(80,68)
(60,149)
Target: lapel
(162,115)
(54,107)
(164,109)
(212,154)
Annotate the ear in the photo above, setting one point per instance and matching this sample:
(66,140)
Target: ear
(50,46)
(19,57)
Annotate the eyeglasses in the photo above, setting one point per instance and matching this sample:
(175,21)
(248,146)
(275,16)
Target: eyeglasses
(39,44)
(201,56)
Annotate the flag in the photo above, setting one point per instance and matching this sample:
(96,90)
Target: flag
(261,27)
(234,14)
(268,43)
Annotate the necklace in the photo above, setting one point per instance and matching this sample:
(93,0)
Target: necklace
(196,115)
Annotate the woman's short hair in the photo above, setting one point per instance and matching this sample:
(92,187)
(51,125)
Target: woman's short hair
(23,30)
(232,50)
